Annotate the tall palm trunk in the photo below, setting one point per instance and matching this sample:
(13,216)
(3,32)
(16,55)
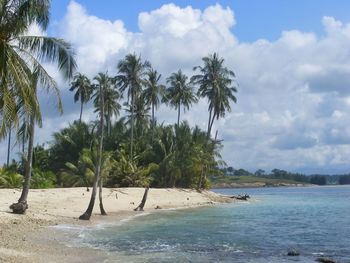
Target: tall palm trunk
(153,123)
(132,125)
(88,212)
(178,115)
(108,122)
(143,201)
(8,148)
(211,123)
(200,179)
(208,130)
(103,211)
(21,206)
(81,111)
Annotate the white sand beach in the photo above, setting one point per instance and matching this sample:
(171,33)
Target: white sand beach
(20,234)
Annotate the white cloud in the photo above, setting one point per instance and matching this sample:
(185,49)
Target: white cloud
(94,39)
(293,100)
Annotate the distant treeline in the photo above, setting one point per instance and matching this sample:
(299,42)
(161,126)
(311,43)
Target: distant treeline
(318,179)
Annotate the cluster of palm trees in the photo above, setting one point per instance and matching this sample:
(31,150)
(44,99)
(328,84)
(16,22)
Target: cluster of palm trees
(145,92)
(133,150)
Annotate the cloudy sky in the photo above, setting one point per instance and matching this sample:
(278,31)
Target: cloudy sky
(291,58)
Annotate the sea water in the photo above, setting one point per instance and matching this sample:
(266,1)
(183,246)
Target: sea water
(315,221)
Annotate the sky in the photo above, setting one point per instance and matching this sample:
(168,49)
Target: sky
(291,59)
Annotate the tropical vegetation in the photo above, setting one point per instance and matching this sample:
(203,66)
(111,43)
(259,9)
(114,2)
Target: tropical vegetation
(124,145)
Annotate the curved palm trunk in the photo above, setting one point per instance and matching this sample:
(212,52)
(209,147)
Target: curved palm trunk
(88,212)
(21,206)
(103,212)
(8,148)
(143,201)
(81,111)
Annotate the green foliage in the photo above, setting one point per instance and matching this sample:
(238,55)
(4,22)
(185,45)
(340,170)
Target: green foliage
(344,179)
(318,179)
(10,178)
(82,173)
(226,181)
(216,83)
(42,179)
(67,146)
(125,172)
(41,158)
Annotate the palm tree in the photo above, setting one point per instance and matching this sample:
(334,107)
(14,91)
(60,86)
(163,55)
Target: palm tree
(153,92)
(111,104)
(79,174)
(216,83)
(21,53)
(131,74)
(83,88)
(179,92)
(141,115)
(21,70)
(103,81)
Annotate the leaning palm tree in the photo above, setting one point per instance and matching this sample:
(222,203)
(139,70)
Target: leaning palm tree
(131,75)
(111,98)
(83,89)
(153,92)
(180,92)
(103,81)
(21,71)
(217,84)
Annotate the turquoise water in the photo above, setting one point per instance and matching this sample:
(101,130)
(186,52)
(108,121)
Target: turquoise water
(314,221)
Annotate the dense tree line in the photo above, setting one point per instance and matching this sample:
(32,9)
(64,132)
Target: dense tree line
(318,179)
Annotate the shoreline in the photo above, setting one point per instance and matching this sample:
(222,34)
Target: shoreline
(256,185)
(33,238)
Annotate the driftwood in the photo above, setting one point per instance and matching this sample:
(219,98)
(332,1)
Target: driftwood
(243,197)
(143,202)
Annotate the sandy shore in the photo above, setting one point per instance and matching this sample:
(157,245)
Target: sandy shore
(27,239)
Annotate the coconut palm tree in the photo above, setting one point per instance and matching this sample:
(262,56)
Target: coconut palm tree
(111,104)
(141,115)
(180,92)
(83,90)
(21,71)
(153,93)
(217,84)
(131,75)
(20,53)
(103,82)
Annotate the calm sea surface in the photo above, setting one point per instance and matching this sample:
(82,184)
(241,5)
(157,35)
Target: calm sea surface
(312,220)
